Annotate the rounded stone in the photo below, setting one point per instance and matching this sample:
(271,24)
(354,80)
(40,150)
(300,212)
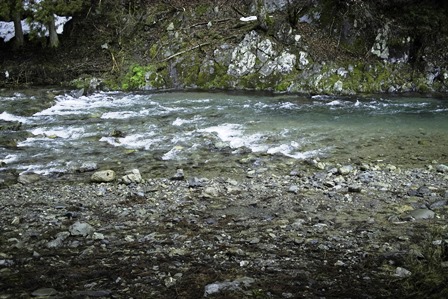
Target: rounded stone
(103,176)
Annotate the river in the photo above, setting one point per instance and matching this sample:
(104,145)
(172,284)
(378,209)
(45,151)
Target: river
(218,132)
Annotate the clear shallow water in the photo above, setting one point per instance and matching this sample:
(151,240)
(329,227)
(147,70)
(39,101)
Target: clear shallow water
(216,130)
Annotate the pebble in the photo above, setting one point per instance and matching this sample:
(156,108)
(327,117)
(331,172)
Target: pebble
(402,272)
(195,182)
(81,229)
(422,214)
(88,166)
(44,292)
(179,175)
(442,168)
(293,189)
(132,176)
(345,170)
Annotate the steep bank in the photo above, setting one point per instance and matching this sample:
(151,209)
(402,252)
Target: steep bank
(325,46)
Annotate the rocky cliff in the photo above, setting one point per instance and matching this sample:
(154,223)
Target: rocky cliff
(325,47)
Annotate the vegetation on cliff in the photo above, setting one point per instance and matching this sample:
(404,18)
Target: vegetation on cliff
(326,46)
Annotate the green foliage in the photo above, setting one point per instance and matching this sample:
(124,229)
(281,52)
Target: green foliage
(135,78)
(140,77)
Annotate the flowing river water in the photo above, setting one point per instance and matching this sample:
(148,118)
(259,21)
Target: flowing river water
(216,132)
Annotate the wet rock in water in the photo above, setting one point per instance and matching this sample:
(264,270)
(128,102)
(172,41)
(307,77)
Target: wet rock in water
(422,214)
(117,134)
(88,166)
(179,175)
(77,93)
(81,229)
(103,176)
(132,176)
(442,168)
(28,178)
(226,286)
(44,292)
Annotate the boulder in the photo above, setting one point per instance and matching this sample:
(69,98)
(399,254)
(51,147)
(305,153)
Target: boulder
(28,178)
(103,176)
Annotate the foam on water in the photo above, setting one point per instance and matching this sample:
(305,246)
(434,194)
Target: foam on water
(233,134)
(173,153)
(120,115)
(10,159)
(180,121)
(68,105)
(11,117)
(135,141)
(59,132)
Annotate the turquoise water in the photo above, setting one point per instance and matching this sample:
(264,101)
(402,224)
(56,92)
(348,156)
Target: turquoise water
(220,131)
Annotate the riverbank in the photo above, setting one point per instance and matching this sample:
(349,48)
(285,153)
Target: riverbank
(322,230)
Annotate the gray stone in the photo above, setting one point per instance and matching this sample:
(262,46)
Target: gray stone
(402,272)
(81,229)
(422,214)
(195,183)
(44,292)
(354,188)
(442,168)
(438,204)
(88,166)
(60,237)
(179,175)
(344,170)
(103,176)
(29,178)
(294,189)
(210,192)
(132,176)
(236,285)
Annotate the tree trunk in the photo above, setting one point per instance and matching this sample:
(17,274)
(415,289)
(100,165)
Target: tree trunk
(54,40)
(19,40)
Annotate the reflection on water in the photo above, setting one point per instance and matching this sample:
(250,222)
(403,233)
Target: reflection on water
(217,129)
